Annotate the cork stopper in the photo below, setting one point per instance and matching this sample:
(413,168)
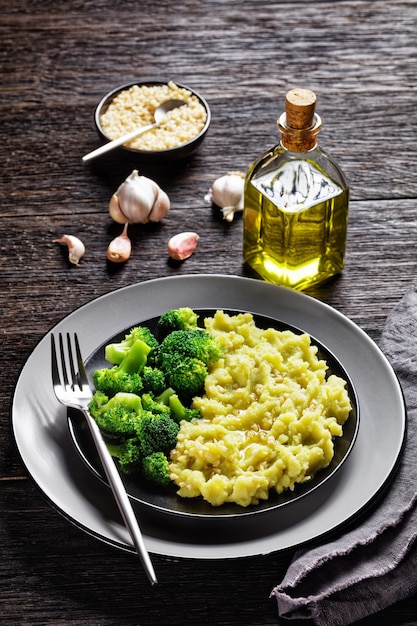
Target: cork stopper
(299,108)
(299,124)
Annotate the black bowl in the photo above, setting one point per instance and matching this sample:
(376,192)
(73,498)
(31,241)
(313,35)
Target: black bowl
(182,151)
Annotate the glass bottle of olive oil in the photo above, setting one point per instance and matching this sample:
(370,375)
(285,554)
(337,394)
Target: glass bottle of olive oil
(296,203)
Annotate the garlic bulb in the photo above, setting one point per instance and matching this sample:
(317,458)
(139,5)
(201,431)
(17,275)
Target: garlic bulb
(120,248)
(138,200)
(76,248)
(227,193)
(182,246)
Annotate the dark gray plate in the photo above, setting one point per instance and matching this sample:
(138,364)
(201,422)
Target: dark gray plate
(40,425)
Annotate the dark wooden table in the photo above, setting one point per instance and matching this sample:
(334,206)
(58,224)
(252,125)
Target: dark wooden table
(57,60)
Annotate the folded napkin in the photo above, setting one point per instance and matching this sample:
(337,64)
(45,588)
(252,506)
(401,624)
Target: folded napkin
(374,564)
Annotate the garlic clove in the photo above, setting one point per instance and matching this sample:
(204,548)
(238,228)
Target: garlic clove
(137,196)
(229,212)
(115,211)
(76,248)
(160,208)
(136,199)
(227,193)
(208,198)
(182,245)
(120,248)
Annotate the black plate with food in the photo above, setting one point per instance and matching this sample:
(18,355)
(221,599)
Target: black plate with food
(166,502)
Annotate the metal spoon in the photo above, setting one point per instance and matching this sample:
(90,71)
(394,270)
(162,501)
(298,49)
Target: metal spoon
(159,115)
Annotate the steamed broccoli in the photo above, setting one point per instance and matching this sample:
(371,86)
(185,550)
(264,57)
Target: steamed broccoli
(136,357)
(164,397)
(177,409)
(156,468)
(186,375)
(184,357)
(128,454)
(157,407)
(139,428)
(153,380)
(111,380)
(124,377)
(181,412)
(116,352)
(144,334)
(197,343)
(140,401)
(118,417)
(157,434)
(176,319)
(97,402)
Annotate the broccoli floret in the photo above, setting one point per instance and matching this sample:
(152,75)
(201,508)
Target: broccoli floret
(136,357)
(124,377)
(153,380)
(116,352)
(177,409)
(155,406)
(164,397)
(141,430)
(198,344)
(116,422)
(186,375)
(144,334)
(97,402)
(156,468)
(128,455)
(157,434)
(181,412)
(176,319)
(111,380)
(184,357)
(119,417)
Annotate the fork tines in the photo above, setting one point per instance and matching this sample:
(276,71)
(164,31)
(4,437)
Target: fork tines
(75,363)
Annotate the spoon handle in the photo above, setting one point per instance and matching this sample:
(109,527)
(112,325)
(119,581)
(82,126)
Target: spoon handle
(115,143)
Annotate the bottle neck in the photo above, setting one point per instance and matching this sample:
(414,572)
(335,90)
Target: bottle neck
(299,139)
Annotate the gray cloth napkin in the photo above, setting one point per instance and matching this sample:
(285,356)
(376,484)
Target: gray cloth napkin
(374,564)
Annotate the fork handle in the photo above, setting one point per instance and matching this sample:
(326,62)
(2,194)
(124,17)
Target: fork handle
(121,497)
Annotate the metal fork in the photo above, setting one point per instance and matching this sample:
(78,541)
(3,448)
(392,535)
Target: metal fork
(76,393)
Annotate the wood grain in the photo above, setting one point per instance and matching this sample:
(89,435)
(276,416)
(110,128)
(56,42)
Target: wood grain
(57,59)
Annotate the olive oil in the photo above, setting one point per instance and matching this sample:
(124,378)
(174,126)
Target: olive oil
(295,211)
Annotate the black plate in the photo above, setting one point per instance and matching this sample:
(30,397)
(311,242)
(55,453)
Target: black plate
(165,500)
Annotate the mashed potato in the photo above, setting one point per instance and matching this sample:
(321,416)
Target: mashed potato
(269,416)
